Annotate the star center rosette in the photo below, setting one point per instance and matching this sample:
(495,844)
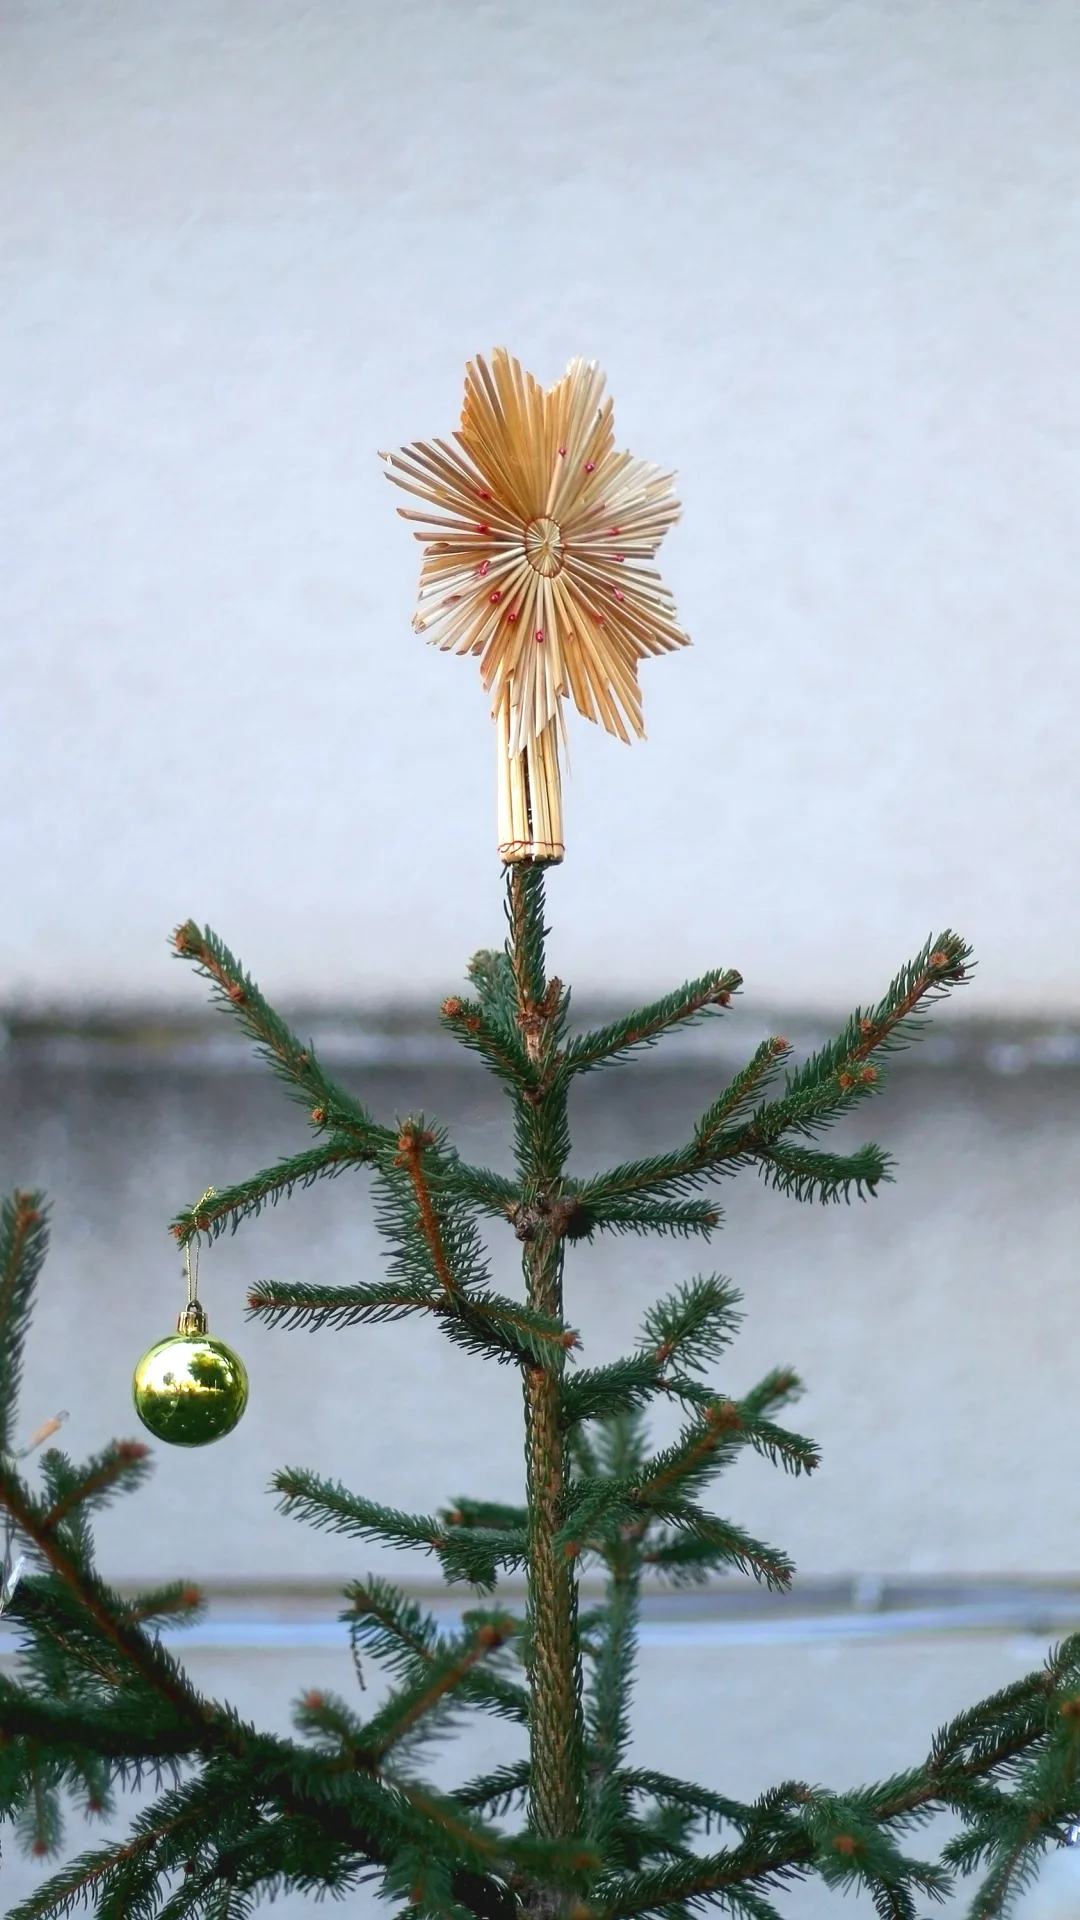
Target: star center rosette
(536,536)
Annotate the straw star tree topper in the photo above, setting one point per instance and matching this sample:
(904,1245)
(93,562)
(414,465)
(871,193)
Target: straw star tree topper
(536,537)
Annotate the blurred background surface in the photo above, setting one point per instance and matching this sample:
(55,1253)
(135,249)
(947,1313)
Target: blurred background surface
(829,255)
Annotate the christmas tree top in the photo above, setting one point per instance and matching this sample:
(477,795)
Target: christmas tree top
(569,1825)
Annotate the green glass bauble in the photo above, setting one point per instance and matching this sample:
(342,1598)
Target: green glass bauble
(190,1389)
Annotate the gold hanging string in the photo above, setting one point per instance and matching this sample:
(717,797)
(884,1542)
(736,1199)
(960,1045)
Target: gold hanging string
(191,1267)
(193,1319)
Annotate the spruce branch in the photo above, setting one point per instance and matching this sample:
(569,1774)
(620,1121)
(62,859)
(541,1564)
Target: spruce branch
(214,1823)
(328,1505)
(473,1554)
(777,1389)
(695,1325)
(39,1820)
(215,1733)
(485,1513)
(850,1848)
(427,1887)
(101,1608)
(425,1203)
(92,1875)
(508,1331)
(686,1007)
(802,1173)
(177,1601)
(412,1141)
(326,1718)
(625,1498)
(709,1808)
(1021,1708)
(391,1628)
(76,1491)
(679,1339)
(116,1731)
(478,1555)
(410,1707)
(436,1237)
(498,1790)
(296,1065)
(603,1393)
(778,1845)
(898,1018)
(698,1543)
(482,1847)
(827,1085)
(661,1486)
(116,1688)
(684,1217)
(736,1102)
(483,1323)
(295,1304)
(226,1207)
(491,973)
(23,1241)
(746,1870)
(66,1652)
(497,1042)
(491,1193)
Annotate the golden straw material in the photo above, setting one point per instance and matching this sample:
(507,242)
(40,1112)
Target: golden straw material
(535,534)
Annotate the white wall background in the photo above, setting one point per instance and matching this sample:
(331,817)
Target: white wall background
(830,258)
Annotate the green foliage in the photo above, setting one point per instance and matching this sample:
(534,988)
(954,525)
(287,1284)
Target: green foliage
(643,1028)
(470,1553)
(392,1629)
(570,1828)
(23,1240)
(480,1321)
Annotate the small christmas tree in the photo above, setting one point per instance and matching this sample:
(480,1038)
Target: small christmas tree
(98,1701)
